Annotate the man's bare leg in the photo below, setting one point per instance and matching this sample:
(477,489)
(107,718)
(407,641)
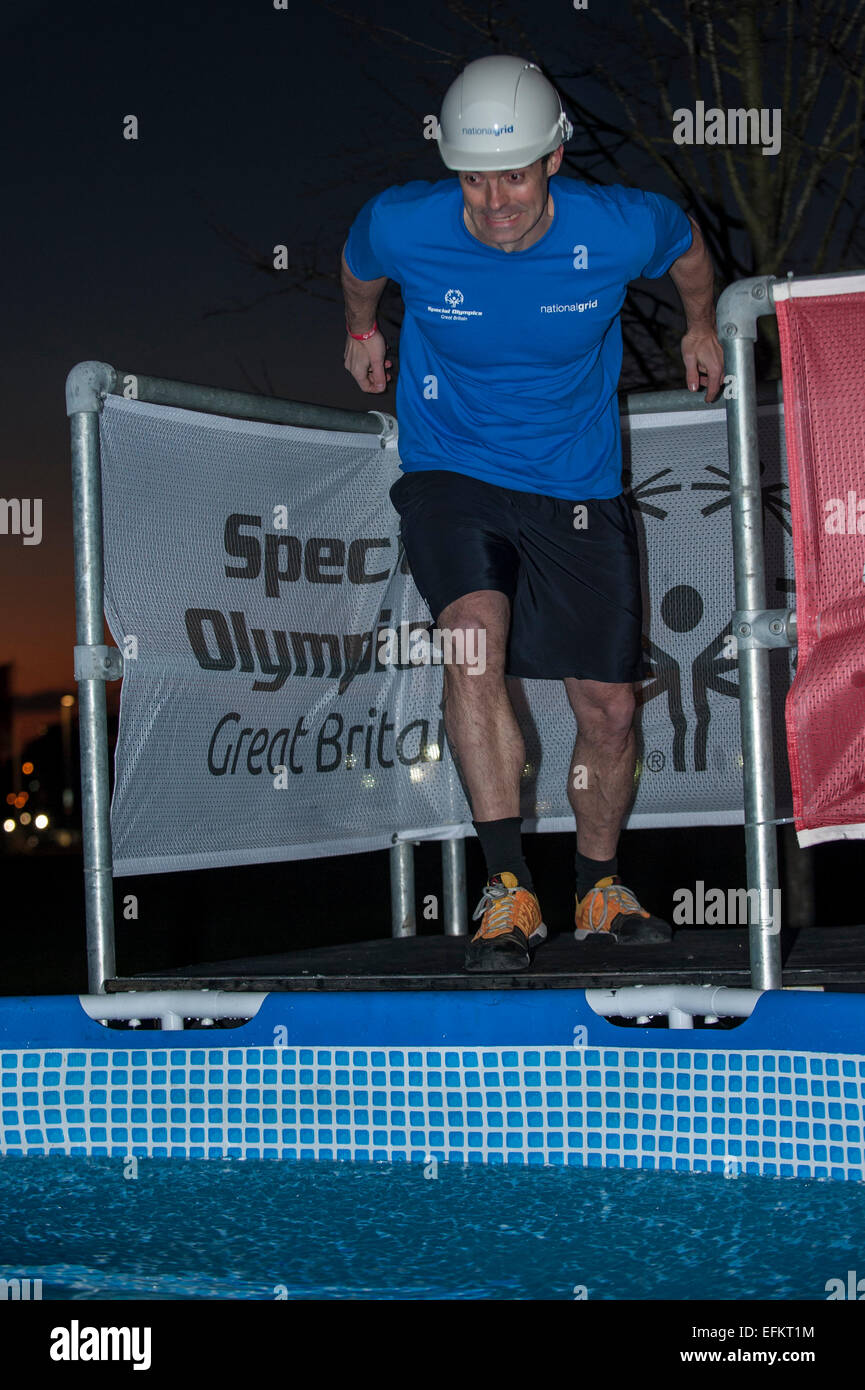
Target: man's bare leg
(483,734)
(487,745)
(601,776)
(600,790)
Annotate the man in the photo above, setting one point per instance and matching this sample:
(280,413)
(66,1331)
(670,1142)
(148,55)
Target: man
(511,503)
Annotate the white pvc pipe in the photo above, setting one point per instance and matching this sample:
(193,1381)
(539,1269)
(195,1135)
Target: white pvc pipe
(172,1006)
(678,1018)
(680,1003)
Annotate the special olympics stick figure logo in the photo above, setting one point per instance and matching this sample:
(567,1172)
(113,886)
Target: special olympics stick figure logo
(454,298)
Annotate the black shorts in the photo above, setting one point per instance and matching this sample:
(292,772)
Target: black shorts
(576,602)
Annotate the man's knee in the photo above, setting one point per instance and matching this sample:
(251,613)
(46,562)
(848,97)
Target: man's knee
(603,710)
(473,633)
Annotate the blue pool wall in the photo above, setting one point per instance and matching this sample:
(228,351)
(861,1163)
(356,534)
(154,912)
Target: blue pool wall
(522,1077)
(814,1022)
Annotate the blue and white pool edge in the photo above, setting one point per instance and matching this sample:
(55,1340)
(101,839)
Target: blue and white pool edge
(516,1076)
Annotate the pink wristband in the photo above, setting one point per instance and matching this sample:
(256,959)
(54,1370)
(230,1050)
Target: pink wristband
(362,337)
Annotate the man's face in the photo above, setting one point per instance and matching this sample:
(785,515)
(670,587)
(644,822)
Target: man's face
(510,208)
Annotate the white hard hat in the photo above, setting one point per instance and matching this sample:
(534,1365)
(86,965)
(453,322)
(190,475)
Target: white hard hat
(500,113)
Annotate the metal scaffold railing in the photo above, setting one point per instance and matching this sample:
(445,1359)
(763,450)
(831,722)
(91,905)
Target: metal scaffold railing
(90,383)
(95,663)
(757,628)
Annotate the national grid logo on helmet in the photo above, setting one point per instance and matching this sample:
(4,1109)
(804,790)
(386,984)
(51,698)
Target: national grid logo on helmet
(486,130)
(453,312)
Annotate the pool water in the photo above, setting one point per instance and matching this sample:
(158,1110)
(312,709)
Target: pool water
(228,1229)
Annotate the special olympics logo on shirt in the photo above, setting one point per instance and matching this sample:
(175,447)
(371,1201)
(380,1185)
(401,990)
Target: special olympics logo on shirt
(452,311)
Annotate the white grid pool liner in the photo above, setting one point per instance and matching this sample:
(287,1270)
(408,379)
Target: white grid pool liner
(775,1113)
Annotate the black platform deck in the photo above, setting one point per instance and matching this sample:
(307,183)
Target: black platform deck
(832,956)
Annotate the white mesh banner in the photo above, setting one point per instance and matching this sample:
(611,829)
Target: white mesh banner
(251,574)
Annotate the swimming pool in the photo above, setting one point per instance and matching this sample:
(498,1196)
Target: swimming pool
(520,1078)
(90,1229)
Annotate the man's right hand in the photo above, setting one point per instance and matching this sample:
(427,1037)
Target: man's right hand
(367,362)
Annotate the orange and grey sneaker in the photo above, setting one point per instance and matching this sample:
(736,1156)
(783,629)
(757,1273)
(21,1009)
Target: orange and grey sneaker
(510,924)
(610,909)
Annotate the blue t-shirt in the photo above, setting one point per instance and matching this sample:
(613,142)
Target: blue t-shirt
(510,361)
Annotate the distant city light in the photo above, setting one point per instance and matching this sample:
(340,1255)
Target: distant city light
(8,826)
(21,800)
(25,818)
(67,701)
(10,799)
(41,822)
(26,768)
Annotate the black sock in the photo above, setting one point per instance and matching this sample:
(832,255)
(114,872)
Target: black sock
(590,870)
(502,844)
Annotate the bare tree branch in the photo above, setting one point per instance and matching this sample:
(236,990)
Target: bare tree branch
(755,211)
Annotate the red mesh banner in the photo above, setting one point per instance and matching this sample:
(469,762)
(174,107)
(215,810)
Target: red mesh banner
(823,368)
